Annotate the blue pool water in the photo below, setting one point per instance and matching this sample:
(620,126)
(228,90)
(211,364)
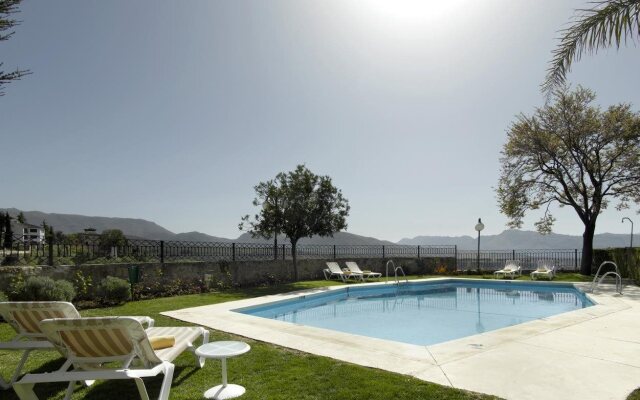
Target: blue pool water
(425,313)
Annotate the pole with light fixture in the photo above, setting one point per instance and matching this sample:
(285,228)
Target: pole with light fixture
(479,227)
(629,219)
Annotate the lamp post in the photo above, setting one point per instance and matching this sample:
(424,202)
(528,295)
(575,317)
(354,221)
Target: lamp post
(479,227)
(629,219)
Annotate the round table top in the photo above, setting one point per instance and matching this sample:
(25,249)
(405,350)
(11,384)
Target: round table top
(222,349)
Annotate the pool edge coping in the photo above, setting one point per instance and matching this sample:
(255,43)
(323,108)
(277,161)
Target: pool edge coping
(423,362)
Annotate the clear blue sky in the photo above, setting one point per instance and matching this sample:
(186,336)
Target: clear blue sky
(171,111)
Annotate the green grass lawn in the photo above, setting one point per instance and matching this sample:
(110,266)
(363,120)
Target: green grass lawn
(267,371)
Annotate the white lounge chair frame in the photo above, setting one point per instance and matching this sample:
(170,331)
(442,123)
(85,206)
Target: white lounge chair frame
(545,269)
(333,269)
(107,340)
(24,317)
(511,270)
(354,268)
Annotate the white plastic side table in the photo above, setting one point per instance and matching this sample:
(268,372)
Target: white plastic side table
(223,350)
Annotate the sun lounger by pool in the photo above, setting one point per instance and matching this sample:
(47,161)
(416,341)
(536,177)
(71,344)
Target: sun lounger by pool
(24,317)
(334,270)
(546,269)
(353,267)
(111,348)
(511,270)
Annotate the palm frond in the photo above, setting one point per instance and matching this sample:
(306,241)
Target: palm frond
(6,77)
(608,23)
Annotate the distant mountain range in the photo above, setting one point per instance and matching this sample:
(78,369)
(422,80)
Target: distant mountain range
(140,228)
(338,238)
(517,240)
(132,227)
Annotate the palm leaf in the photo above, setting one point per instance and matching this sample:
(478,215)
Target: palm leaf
(609,22)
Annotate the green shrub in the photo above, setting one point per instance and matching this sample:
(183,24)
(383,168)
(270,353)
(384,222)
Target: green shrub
(82,285)
(38,288)
(628,261)
(64,291)
(3,297)
(114,290)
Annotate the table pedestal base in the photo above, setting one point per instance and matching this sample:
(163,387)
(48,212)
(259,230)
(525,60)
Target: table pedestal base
(222,392)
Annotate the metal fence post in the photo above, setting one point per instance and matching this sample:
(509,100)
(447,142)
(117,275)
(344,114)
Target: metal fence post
(50,241)
(334,251)
(162,251)
(455,254)
(233,251)
(513,254)
(418,252)
(284,254)
(575,253)
(383,255)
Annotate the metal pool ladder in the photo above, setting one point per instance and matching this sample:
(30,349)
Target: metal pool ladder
(395,272)
(615,273)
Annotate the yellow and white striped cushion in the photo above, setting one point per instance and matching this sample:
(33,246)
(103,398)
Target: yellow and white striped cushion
(115,337)
(97,342)
(25,316)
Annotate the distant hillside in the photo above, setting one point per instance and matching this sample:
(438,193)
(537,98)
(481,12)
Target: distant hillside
(199,237)
(342,238)
(133,227)
(516,239)
(140,228)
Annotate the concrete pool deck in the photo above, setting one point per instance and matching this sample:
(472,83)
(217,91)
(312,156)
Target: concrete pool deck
(591,353)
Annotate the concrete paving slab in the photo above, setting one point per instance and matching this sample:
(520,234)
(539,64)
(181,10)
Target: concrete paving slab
(524,372)
(587,345)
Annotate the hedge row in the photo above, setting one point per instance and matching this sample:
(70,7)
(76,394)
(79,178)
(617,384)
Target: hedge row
(627,259)
(39,288)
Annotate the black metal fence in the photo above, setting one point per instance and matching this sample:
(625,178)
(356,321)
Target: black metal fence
(491,260)
(96,249)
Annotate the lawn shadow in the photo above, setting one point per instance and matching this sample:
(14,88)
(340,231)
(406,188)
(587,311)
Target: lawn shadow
(44,390)
(112,389)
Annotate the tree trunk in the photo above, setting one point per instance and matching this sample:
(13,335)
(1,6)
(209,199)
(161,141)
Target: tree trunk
(275,246)
(587,248)
(295,262)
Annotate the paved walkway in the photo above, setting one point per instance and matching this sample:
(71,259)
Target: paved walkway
(592,353)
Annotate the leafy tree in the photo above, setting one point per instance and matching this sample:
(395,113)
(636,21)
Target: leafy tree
(60,237)
(21,218)
(112,238)
(608,23)
(299,204)
(8,231)
(572,154)
(7,8)
(73,238)
(271,220)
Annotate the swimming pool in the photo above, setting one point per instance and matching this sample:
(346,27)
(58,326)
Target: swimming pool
(425,313)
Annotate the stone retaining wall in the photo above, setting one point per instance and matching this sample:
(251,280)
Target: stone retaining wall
(240,273)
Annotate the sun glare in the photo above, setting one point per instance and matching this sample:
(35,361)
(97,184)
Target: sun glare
(412,12)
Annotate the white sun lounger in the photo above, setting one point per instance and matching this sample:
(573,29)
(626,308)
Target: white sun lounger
(111,348)
(333,270)
(546,269)
(511,270)
(354,268)
(24,317)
